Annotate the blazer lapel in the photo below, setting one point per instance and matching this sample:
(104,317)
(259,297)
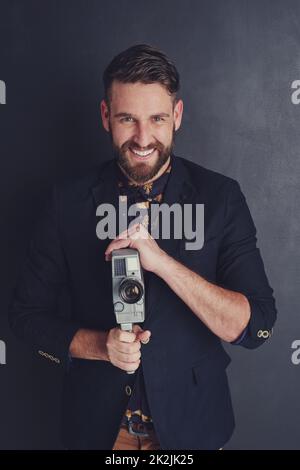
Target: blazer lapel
(179,190)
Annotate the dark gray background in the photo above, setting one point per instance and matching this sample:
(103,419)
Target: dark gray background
(237,60)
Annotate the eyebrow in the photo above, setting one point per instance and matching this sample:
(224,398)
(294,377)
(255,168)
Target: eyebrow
(132,115)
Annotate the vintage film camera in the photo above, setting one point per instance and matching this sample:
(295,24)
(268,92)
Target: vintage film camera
(128,288)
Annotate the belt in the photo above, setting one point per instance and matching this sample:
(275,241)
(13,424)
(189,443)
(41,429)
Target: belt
(137,429)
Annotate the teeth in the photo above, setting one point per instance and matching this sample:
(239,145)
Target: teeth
(142,154)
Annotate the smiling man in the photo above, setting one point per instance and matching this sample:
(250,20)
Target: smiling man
(142,136)
(178,395)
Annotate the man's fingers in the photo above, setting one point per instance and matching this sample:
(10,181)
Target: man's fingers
(138,231)
(127,348)
(137,329)
(125,336)
(144,337)
(128,367)
(141,335)
(125,238)
(116,245)
(127,358)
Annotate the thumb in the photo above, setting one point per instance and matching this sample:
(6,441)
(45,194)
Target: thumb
(141,335)
(144,336)
(136,329)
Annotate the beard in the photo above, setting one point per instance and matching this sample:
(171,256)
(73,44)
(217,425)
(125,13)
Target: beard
(141,172)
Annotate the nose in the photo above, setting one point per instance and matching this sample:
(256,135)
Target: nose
(143,136)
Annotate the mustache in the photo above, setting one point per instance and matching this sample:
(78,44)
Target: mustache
(134,146)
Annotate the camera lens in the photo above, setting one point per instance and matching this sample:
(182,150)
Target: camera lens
(131,291)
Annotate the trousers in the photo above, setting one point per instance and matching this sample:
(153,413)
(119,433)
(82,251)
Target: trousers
(127,441)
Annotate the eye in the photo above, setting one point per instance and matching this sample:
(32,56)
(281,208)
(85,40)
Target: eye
(127,119)
(158,118)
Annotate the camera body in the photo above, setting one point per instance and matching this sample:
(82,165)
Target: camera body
(128,288)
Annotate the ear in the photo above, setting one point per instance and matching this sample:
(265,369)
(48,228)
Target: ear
(178,111)
(104,115)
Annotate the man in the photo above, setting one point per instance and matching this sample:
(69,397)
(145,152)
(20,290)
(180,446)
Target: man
(178,396)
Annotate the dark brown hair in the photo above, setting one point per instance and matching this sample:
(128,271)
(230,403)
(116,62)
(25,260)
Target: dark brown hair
(142,63)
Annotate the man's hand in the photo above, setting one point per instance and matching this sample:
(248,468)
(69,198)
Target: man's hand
(124,347)
(121,348)
(151,255)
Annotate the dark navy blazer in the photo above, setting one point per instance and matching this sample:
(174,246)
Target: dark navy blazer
(184,364)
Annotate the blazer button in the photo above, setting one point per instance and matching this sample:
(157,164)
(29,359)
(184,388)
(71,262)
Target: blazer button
(128,390)
(263,334)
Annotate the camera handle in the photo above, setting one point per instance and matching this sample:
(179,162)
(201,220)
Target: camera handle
(127,327)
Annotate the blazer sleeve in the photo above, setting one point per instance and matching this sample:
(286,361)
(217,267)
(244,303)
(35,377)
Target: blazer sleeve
(241,269)
(33,312)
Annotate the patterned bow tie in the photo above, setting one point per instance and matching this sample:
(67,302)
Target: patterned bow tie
(151,192)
